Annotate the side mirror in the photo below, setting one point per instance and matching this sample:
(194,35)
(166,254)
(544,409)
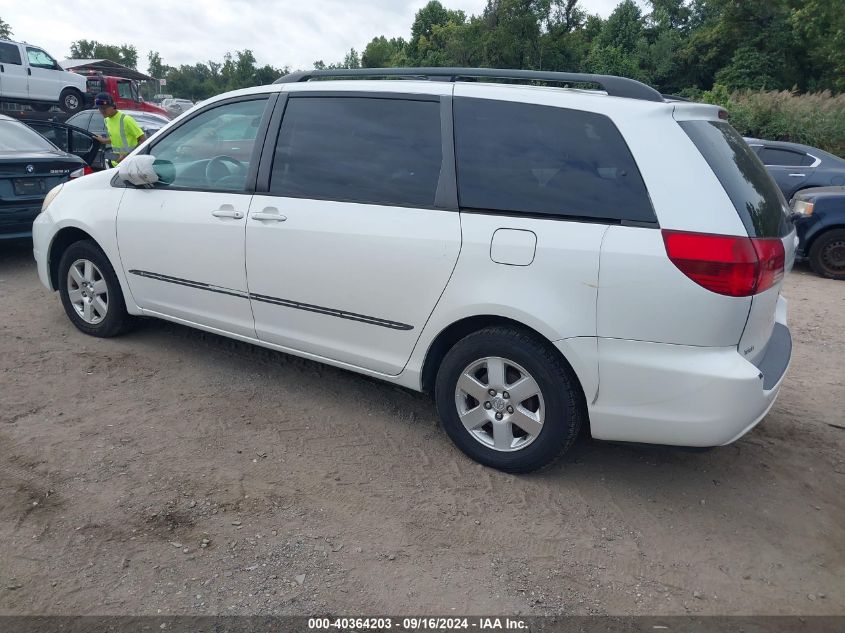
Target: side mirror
(144,170)
(166,171)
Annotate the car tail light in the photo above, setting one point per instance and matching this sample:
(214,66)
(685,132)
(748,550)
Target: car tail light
(727,265)
(82,171)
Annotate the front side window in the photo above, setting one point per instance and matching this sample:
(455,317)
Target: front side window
(124,90)
(367,150)
(40,59)
(546,161)
(10,54)
(212,150)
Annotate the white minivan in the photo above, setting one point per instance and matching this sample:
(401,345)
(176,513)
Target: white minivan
(537,258)
(30,75)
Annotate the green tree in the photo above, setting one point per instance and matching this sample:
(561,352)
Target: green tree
(621,48)
(749,69)
(623,29)
(819,26)
(432,15)
(125,54)
(156,67)
(5,30)
(384,53)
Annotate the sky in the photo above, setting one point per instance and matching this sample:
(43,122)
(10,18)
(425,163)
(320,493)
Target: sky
(281,33)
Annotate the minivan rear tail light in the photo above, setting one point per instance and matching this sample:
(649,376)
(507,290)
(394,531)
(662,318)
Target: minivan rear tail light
(725,264)
(82,171)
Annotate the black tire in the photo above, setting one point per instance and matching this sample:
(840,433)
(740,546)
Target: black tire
(564,405)
(71,101)
(827,254)
(41,107)
(116,320)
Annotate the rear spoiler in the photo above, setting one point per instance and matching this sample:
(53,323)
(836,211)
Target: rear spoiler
(688,111)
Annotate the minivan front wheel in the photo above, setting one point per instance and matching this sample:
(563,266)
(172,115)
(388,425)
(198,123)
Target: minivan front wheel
(90,291)
(508,400)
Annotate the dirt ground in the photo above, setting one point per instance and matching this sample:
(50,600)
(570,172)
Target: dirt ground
(172,471)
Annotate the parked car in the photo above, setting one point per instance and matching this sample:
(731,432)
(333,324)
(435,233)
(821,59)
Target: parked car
(177,106)
(795,167)
(73,140)
(526,254)
(30,166)
(820,221)
(30,75)
(92,121)
(124,91)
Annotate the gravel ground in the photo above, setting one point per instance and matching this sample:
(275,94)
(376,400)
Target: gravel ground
(172,471)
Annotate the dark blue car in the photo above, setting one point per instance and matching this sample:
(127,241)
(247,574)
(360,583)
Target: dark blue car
(795,167)
(819,216)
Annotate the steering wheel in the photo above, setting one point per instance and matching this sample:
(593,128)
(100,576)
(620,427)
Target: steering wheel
(216,169)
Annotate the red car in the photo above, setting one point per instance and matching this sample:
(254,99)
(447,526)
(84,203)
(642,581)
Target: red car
(124,92)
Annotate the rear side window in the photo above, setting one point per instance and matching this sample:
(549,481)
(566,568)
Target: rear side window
(784,157)
(83,119)
(17,137)
(542,160)
(376,151)
(10,54)
(756,197)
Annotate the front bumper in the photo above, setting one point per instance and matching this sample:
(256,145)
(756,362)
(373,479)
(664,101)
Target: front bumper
(41,236)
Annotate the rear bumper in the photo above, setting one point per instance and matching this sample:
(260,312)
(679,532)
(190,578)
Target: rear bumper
(16,221)
(683,395)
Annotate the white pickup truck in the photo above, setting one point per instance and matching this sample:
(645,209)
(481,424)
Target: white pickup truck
(30,75)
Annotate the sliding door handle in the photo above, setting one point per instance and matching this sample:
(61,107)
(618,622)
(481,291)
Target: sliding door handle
(268,216)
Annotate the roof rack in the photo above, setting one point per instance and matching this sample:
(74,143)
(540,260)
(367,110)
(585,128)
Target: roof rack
(614,86)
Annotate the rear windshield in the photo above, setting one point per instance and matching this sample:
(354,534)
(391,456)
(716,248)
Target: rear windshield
(756,197)
(16,137)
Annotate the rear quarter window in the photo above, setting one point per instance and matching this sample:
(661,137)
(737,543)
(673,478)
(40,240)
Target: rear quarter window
(755,196)
(545,161)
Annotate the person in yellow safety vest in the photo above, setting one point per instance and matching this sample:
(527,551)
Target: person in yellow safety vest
(124,133)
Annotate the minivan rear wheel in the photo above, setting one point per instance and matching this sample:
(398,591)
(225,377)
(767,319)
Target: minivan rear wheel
(827,254)
(508,400)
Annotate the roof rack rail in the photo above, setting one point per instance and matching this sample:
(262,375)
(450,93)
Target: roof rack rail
(614,86)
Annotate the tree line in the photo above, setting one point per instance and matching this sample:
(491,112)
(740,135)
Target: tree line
(678,46)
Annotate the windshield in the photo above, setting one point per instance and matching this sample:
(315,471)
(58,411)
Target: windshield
(16,137)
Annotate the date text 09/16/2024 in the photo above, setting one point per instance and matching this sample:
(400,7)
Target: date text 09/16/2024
(416,623)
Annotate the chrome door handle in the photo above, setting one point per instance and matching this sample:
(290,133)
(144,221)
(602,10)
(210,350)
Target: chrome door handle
(268,217)
(226,211)
(798,175)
